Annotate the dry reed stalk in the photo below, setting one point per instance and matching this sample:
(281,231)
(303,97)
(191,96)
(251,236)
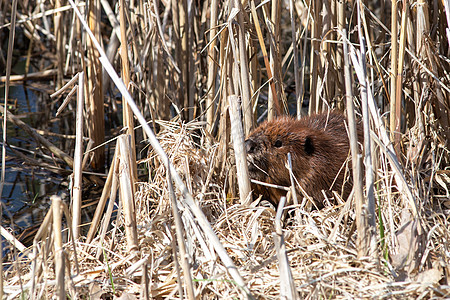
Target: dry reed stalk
(353,137)
(384,138)
(127,113)
(274,56)
(36,264)
(314,102)
(320,245)
(340,61)
(302,75)
(399,78)
(5,112)
(393,73)
(162,103)
(447,14)
(295,53)
(77,160)
(367,221)
(15,242)
(127,192)
(176,39)
(39,138)
(224,128)
(41,75)
(442,105)
(184,43)
(71,237)
(5,115)
(63,89)
(94,104)
(373,58)
(185,258)
(325,78)
(287,285)
(255,75)
(246,103)
(102,201)
(292,189)
(190,34)
(146,284)
(276,104)
(58,247)
(59,34)
(87,152)
(112,190)
(212,67)
(237,134)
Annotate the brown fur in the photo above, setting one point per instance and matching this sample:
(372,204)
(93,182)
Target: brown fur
(318,145)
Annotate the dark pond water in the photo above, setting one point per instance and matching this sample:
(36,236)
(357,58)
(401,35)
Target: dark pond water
(27,188)
(28,183)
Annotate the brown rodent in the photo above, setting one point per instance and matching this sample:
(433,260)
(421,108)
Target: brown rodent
(319,147)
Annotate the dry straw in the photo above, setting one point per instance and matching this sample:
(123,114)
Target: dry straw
(196,75)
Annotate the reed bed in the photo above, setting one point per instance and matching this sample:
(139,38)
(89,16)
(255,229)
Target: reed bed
(174,219)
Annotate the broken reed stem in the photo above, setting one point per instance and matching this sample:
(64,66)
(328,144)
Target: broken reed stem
(126,192)
(78,157)
(240,153)
(180,235)
(59,253)
(247,113)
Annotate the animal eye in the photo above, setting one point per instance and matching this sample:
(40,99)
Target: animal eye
(278,144)
(309,146)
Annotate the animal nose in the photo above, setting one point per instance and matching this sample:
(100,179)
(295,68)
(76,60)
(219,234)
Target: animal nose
(250,146)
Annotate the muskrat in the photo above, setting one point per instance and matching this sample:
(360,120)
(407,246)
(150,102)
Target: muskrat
(319,147)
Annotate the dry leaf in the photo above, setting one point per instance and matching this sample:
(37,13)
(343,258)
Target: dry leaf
(408,252)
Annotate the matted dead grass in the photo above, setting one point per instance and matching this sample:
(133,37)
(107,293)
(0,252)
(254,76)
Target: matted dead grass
(412,258)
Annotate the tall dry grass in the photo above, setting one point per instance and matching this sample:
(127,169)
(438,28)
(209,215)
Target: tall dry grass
(181,64)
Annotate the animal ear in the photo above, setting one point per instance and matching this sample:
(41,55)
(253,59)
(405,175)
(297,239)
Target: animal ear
(309,145)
